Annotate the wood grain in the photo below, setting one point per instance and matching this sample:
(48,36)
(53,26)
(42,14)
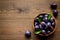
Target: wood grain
(16,16)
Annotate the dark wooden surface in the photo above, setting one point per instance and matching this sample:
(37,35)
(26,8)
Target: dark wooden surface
(17,16)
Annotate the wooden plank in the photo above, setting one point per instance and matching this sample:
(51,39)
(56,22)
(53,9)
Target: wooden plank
(16,16)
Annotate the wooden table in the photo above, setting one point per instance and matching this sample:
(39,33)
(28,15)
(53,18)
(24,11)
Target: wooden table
(17,16)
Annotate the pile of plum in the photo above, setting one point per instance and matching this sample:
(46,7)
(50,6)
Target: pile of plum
(44,24)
